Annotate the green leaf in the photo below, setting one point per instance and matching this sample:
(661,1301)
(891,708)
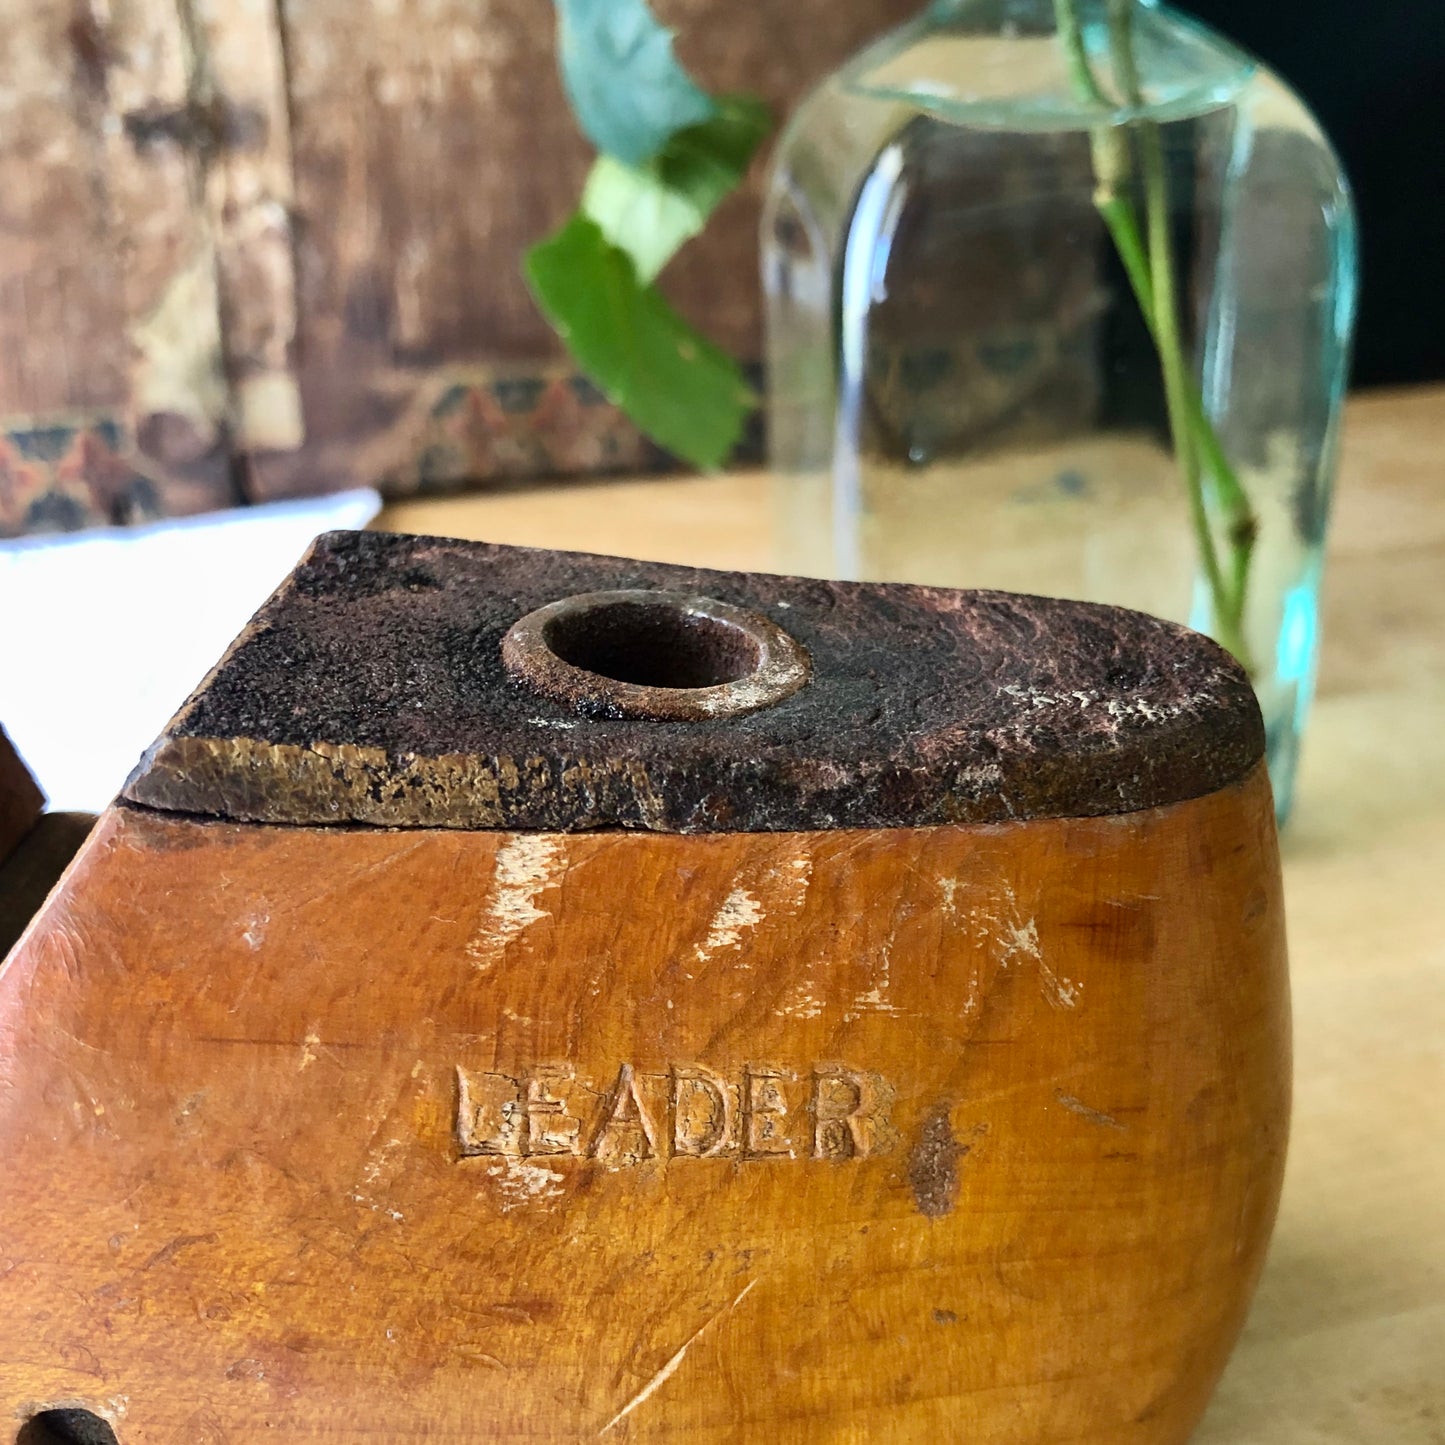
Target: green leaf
(687,395)
(628,91)
(709,159)
(640,213)
(652,209)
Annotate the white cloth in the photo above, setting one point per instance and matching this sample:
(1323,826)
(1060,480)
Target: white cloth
(104,634)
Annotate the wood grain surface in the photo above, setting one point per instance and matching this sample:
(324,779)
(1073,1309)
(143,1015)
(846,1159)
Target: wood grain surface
(967,1133)
(1345,1340)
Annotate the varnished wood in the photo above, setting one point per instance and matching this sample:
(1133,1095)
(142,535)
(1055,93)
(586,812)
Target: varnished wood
(1005,1120)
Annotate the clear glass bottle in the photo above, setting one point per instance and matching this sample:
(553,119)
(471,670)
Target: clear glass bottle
(1059,299)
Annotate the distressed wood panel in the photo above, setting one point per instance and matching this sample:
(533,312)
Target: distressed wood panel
(276,247)
(60,301)
(432,146)
(112,401)
(239,78)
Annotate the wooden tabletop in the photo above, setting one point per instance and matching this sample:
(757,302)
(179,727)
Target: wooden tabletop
(1346,1342)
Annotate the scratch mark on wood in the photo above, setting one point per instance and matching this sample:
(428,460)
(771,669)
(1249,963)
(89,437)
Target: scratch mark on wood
(671,1367)
(168,1252)
(482,1358)
(740,910)
(1017,939)
(526,865)
(309,1045)
(522,1182)
(1094,1116)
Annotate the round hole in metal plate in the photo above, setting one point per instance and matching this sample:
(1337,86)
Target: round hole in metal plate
(639,653)
(66,1426)
(654,643)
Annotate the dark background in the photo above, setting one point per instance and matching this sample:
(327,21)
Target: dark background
(1373,71)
